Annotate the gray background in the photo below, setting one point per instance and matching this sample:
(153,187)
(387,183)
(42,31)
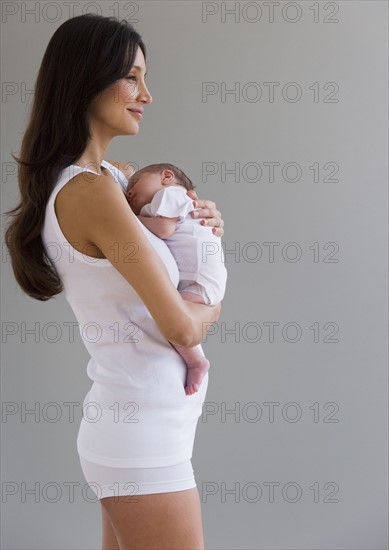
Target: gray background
(335,453)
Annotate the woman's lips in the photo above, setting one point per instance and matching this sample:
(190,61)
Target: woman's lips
(137,113)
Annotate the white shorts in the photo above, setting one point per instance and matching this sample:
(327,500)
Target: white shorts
(106,481)
(196,288)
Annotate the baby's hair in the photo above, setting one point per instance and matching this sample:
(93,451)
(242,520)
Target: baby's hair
(181,177)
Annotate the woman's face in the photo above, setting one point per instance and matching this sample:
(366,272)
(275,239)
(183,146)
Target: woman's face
(113,112)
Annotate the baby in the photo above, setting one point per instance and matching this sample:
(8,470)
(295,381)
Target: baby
(157,195)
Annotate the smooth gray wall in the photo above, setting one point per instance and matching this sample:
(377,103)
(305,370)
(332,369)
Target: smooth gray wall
(328,359)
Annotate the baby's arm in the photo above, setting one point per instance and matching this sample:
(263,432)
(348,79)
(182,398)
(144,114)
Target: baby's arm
(159,225)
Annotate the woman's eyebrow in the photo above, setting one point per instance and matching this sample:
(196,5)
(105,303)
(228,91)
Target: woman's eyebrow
(139,68)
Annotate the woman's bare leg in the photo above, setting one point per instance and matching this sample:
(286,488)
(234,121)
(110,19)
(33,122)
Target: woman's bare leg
(163,521)
(109,540)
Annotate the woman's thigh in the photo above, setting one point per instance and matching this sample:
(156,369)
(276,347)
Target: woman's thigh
(163,521)
(109,539)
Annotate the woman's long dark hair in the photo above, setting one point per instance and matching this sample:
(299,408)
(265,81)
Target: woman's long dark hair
(85,55)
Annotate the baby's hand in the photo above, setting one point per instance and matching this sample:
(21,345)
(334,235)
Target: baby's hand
(207,210)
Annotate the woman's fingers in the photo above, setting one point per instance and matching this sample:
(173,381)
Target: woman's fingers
(212,217)
(192,193)
(208,211)
(218,231)
(210,206)
(216,223)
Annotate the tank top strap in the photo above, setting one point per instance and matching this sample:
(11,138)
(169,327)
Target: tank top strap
(117,174)
(73,169)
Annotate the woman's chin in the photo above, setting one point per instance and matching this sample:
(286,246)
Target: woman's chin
(134,128)
(130,130)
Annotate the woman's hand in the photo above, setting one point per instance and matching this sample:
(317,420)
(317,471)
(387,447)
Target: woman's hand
(203,316)
(208,211)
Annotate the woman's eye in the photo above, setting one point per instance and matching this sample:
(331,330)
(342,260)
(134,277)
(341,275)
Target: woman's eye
(131,77)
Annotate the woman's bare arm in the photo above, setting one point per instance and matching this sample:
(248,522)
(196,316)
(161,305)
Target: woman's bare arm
(107,222)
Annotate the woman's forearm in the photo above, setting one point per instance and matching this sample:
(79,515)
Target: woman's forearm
(202,317)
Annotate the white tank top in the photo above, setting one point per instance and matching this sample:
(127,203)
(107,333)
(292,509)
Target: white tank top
(136,413)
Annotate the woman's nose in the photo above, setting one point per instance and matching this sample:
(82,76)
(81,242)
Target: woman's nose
(145,95)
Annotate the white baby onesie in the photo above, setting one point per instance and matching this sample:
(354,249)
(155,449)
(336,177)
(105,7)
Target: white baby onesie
(197,251)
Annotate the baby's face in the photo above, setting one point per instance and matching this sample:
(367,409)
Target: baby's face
(141,189)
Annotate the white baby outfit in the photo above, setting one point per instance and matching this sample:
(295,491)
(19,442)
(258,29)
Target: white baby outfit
(197,251)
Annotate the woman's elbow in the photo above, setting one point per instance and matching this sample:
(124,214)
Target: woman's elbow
(186,335)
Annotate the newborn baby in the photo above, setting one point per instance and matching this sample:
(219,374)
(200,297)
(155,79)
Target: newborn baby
(157,195)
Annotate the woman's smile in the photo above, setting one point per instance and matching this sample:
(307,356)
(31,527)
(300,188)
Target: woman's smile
(136,112)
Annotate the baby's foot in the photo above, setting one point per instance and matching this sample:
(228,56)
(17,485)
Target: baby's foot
(194,375)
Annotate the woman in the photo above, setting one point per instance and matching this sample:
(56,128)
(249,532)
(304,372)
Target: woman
(74,231)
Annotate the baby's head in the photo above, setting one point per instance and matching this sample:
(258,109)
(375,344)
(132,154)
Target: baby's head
(144,183)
